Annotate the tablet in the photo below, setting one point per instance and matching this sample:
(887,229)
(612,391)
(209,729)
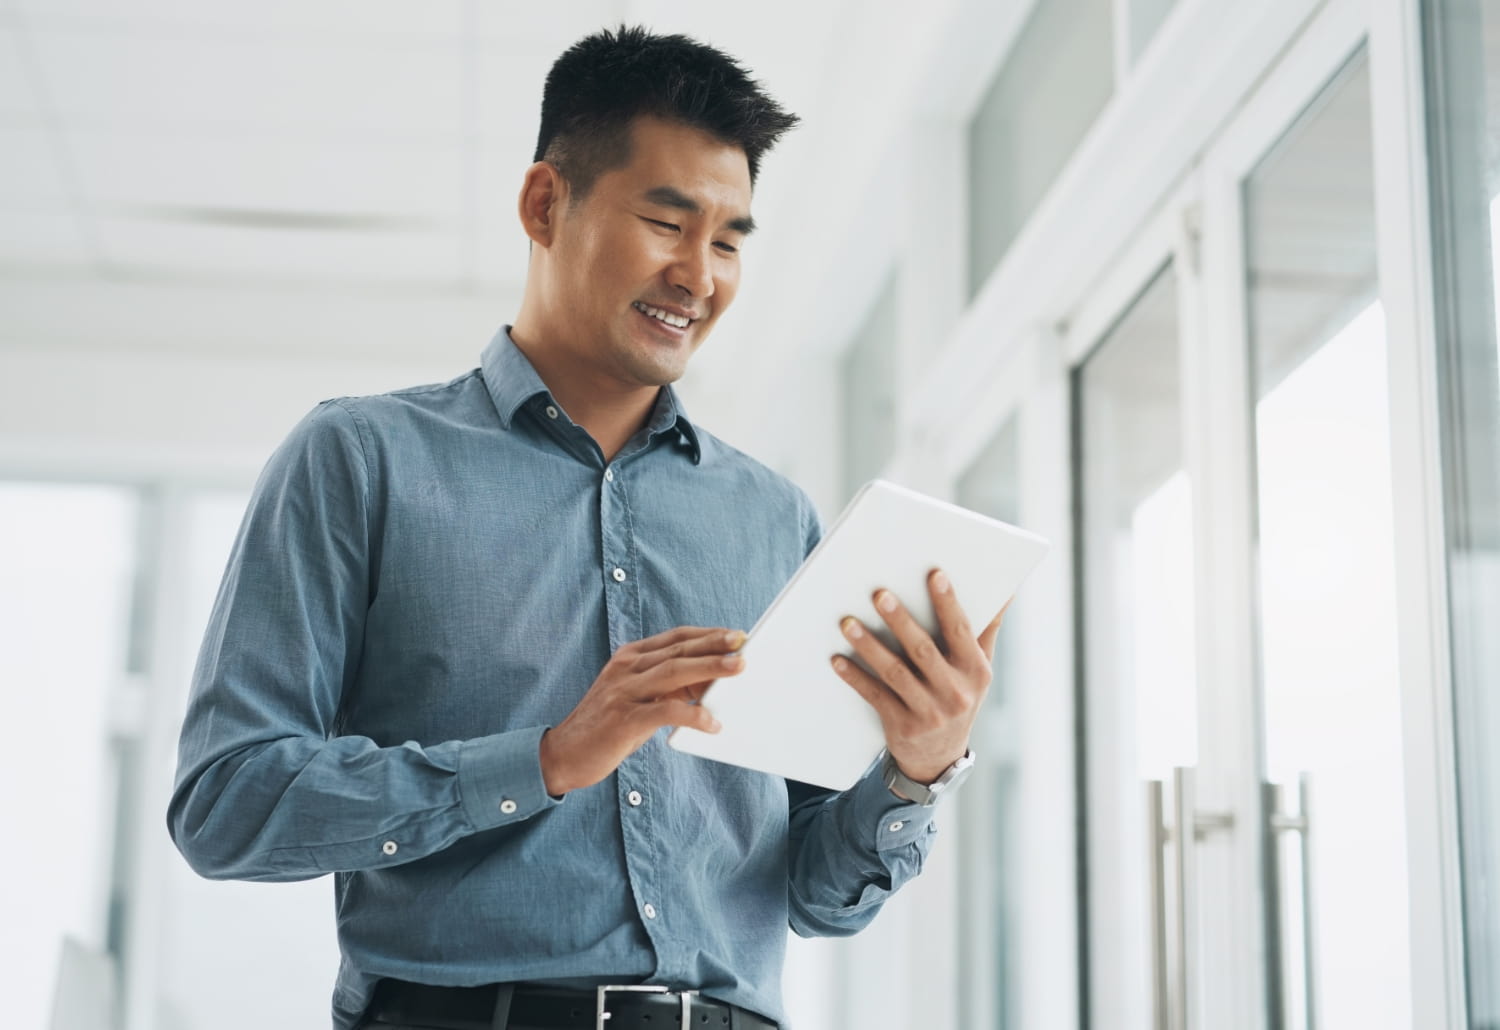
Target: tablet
(788,713)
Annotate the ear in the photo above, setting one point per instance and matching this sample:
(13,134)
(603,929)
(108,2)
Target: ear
(543,194)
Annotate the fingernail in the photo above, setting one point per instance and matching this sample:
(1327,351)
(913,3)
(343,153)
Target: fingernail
(714,725)
(839,665)
(885,601)
(852,629)
(732,661)
(940,581)
(734,639)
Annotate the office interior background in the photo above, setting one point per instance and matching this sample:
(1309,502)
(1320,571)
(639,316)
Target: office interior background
(1202,290)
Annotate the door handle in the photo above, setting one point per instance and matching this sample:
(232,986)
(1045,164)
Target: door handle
(1279,822)
(1173,972)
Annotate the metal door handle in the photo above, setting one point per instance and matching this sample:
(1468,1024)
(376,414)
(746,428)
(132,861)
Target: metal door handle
(1172,974)
(1279,821)
(1156,836)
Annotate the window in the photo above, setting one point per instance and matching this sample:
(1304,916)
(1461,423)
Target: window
(1057,78)
(868,375)
(67,562)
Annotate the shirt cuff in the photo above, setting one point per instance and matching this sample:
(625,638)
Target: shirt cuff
(880,820)
(500,778)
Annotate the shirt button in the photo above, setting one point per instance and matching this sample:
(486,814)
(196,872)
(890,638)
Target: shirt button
(508,807)
(895,827)
(634,797)
(389,847)
(609,475)
(650,910)
(619,575)
(551,411)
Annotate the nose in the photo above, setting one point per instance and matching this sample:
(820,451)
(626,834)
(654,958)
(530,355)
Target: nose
(692,271)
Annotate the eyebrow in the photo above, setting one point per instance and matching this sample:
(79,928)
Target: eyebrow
(670,196)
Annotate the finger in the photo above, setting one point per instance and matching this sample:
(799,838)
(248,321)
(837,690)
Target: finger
(686,642)
(915,641)
(879,696)
(888,668)
(674,674)
(680,713)
(987,638)
(963,650)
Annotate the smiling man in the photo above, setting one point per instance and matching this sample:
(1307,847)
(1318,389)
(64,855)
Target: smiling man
(459,621)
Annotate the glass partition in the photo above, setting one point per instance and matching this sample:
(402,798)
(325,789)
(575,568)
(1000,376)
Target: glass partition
(1462,42)
(67,569)
(991,836)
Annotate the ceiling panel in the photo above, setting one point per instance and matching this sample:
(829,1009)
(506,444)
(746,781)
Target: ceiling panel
(516,29)
(291,83)
(30,178)
(206,251)
(33,240)
(245,171)
(17,99)
(341,18)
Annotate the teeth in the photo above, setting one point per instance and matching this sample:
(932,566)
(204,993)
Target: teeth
(663,316)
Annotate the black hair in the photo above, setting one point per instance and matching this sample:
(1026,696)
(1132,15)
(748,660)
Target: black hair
(604,81)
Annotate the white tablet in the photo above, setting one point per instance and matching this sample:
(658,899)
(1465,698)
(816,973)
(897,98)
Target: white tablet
(788,713)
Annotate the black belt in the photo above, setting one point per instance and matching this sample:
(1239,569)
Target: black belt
(540,1007)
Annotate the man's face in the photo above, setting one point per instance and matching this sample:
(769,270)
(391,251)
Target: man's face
(647,262)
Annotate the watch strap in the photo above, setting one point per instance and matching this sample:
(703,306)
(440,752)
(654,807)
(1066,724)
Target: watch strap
(926,794)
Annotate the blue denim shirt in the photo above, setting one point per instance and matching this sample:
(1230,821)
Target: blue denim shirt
(423,583)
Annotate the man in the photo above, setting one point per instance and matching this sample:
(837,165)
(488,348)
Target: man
(459,621)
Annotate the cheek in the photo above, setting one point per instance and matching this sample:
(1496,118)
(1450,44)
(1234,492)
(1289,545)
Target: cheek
(726,287)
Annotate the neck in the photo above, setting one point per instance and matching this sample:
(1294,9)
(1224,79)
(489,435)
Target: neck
(610,412)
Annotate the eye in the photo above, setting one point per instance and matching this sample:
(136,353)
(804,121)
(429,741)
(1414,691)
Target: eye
(662,225)
(727,248)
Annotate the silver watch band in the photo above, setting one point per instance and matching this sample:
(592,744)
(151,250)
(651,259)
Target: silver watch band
(923,793)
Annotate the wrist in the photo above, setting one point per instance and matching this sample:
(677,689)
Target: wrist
(554,777)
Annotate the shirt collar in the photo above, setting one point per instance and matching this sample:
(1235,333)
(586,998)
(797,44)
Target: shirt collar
(512,381)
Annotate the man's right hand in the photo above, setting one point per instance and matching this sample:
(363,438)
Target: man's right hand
(647,684)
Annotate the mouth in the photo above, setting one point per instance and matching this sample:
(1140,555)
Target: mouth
(671,319)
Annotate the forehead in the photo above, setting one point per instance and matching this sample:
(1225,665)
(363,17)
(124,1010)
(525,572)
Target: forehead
(667,153)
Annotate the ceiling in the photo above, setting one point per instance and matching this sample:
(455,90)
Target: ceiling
(297,176)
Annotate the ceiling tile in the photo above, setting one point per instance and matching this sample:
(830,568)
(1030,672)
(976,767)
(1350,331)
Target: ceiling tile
(344,18)
(267,173)
(30,178)
(37,239)
(280,255)
(17,98)
(292,83)
(542,32)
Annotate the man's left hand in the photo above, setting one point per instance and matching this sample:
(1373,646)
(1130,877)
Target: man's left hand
(928,700)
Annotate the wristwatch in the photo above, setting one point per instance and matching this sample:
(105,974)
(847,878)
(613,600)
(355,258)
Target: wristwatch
(927,794)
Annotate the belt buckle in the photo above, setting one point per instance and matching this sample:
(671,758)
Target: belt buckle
(603,992)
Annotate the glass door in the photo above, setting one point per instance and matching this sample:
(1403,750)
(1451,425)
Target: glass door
(1326,625)
(1140,697)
